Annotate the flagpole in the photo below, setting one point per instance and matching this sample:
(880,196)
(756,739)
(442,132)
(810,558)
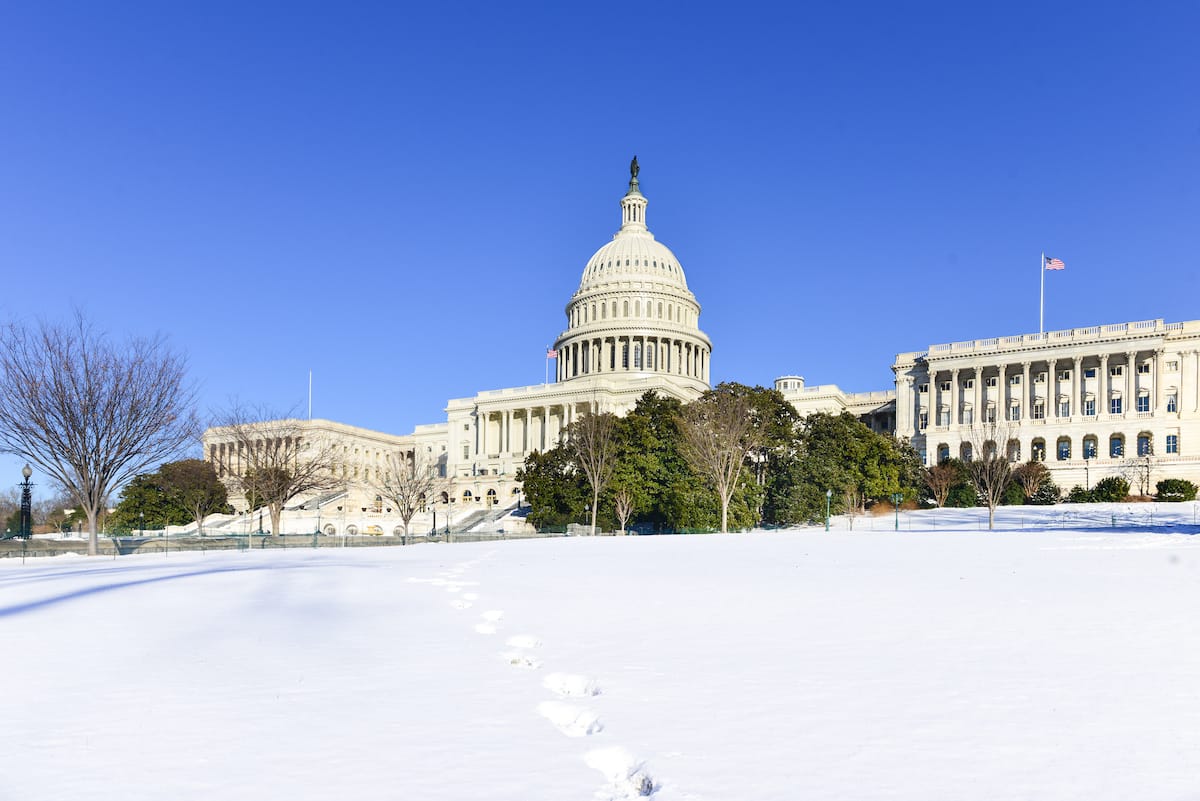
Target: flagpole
(1042,296)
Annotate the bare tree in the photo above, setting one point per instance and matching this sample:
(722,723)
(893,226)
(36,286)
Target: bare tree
(940,479)
(623,506)
(271,460)
(718,432)
(591,442)
(1031,477)
(990,470)
(89,412)
(195,484)
(409,480)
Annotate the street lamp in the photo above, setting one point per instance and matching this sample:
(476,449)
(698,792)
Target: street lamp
(896,498)
(26,504)
(142,524)
(828,496)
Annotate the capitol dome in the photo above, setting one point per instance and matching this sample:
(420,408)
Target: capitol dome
(633,312)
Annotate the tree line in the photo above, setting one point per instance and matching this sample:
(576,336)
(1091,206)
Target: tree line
(735,458)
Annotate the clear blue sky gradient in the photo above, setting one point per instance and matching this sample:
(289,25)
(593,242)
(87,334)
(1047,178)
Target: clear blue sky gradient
(402,197)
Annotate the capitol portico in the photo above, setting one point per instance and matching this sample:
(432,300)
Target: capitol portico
(1085,401)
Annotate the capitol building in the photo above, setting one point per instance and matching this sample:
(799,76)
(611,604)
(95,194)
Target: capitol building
(1087,402)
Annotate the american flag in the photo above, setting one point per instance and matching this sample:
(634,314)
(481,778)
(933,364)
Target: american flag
(1055,264)
(551,353)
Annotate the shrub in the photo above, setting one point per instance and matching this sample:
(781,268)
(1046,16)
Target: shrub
(962,496)
(1113,488)
(1014,495)
(1047,495)
(1176,489)
(1079,495)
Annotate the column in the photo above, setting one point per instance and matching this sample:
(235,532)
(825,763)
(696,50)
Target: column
(1195,388)
(1156,379)
(1026,393)
(1102,386)
(1130,405)
(977,413)
(1080,391)
(1052,388)
(954,398)
(545,429)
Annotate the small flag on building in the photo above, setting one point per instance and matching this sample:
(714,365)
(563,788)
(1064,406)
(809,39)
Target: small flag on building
(1055,264)
(551,353)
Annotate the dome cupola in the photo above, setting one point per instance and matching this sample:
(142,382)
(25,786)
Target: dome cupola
(633,311)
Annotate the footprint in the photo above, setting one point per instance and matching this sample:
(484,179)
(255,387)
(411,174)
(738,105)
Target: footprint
(485,628)
(627,775)
(572,721)
(570,685)
(493,615)
(523,641)
(518,659)
(459,603)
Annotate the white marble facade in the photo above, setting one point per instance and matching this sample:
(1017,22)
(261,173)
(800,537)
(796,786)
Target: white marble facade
(1089,401)
(1119,399)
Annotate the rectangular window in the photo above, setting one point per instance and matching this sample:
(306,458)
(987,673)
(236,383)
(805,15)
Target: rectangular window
(944,418)
(1013,380)
(466,451)
(969,383)
(944,386)
(1039,378)
(1172,367)
(1172,443)
(1064,408)
(923,389)
(989,414)
(1114,406)
(1089,407)
(991,381)
(1116,371)
(1171,403)
(968,417)
(1039,411)
(1014,412)
(1144,368)
(1143,403)
(922,421)
(1064,375)
(1089,372)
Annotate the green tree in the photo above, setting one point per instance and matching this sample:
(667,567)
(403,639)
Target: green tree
(176,494)
(555,490)
(1110,489)
(1176,489)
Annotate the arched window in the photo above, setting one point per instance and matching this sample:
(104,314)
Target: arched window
(378,504)
(637,308)
(1090,447)
(1116,445)
(1038,450)
(1063,449)
(965,451)
(943,452)
(352,530)
(637,356)
(624,308)
(603,311)
(466,496)
(492,500)
(1145,445)
(1014,450)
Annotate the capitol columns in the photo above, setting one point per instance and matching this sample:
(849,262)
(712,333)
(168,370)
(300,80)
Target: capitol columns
(1103,387)
(1026,393)
(1052,388)
(1080,391)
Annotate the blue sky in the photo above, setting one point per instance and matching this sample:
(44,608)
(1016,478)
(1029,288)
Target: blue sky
(402,198)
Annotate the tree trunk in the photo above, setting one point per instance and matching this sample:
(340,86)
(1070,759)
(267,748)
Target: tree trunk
(991,518)
(93,535)
(724,515)
(595,503)
(276,514)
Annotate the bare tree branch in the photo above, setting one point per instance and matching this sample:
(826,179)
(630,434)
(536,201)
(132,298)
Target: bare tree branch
(271,460)
(623,505)
(989,468)
(90,413)
(409,480)
(718,432)
(592,444)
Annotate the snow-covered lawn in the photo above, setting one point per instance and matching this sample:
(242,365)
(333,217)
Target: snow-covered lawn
(1058,658)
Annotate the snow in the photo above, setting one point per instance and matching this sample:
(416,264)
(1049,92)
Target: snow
(1055,658)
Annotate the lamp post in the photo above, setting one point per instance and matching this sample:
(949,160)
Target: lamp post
(896,498)
(141,524)
(828,497)
(433,508)
(26,504)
